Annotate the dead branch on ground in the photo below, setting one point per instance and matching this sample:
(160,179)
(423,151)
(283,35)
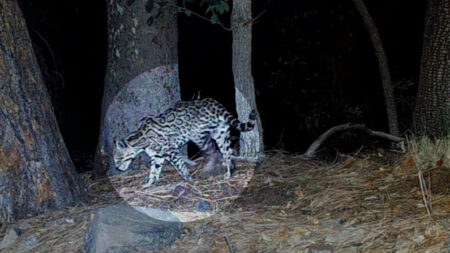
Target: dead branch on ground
(349,126)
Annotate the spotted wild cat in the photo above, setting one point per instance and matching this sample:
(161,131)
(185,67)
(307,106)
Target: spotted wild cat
(161,137)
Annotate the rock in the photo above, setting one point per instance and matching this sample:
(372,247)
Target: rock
(345,235)
(60,221)
(224,219)
(30,241)
(321,249)
(333,223)
(199,249)
(55,222)
(127,229)
(265,237)
(295,239)
(9,239)
(405,250)
(22,226)
(203,206)
(178,190)
(404,246)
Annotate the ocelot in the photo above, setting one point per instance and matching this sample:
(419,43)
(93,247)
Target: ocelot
(200,121)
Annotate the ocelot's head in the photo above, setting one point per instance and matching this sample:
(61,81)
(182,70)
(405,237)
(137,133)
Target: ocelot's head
(123,154)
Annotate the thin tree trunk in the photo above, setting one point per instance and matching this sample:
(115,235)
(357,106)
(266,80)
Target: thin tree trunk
(141,75)
(389,98)
(251,143)
(36,172)
(432,110)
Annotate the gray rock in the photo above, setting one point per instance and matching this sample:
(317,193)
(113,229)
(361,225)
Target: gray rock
(345,235)
(22,226)
(224,219)
(199,249)
(55,222)
(30,241)
(295,239)
(124,229)
(203,205)
(9,239)
(333,223)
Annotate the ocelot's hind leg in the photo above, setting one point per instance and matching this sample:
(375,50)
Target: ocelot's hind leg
(174,157)
(222,138)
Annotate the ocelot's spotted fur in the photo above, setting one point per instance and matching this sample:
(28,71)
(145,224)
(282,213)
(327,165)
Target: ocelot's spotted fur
(161,137)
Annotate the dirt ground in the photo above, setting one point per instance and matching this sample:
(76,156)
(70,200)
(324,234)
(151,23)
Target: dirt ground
(374,202)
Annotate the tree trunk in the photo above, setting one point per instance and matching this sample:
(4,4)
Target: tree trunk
(142,71)
(389,98)
(432,110)
(251,143)
(36,173)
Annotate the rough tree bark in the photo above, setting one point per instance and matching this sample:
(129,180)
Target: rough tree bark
(389,98)
(135,47)
(432,110)
(36,173)
(142,71)
(251,143)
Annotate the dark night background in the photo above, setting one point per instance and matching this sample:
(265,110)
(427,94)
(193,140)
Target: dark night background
(313,64)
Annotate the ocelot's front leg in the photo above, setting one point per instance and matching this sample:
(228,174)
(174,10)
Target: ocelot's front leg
(155,170)
(174,157)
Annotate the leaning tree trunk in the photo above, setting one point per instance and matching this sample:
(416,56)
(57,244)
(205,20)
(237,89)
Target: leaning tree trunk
(432,110)
(251,143)
(142,70)
(36,173)
(389,98)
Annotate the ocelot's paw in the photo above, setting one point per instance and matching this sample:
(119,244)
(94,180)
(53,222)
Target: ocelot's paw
(189,162)
(147,185)
(188,178)
(150,182)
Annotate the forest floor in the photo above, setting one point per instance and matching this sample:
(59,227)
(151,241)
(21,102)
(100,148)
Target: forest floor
(364,202)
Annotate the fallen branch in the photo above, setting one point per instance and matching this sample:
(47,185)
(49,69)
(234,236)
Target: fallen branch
(349,126)
(230,248)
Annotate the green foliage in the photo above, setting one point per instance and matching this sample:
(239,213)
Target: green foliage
(214,19)
(130,2)
(219,7)
(150,20)
(156,11)
(149,5)
(213,10)
(162,3)
(159,14)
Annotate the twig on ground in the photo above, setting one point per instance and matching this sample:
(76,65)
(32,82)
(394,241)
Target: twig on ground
(230,248)
(425,193)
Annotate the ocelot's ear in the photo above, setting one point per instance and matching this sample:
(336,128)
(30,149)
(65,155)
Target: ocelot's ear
(121,144)
(117,144)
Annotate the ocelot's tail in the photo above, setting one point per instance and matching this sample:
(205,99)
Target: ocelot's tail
(243,127)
